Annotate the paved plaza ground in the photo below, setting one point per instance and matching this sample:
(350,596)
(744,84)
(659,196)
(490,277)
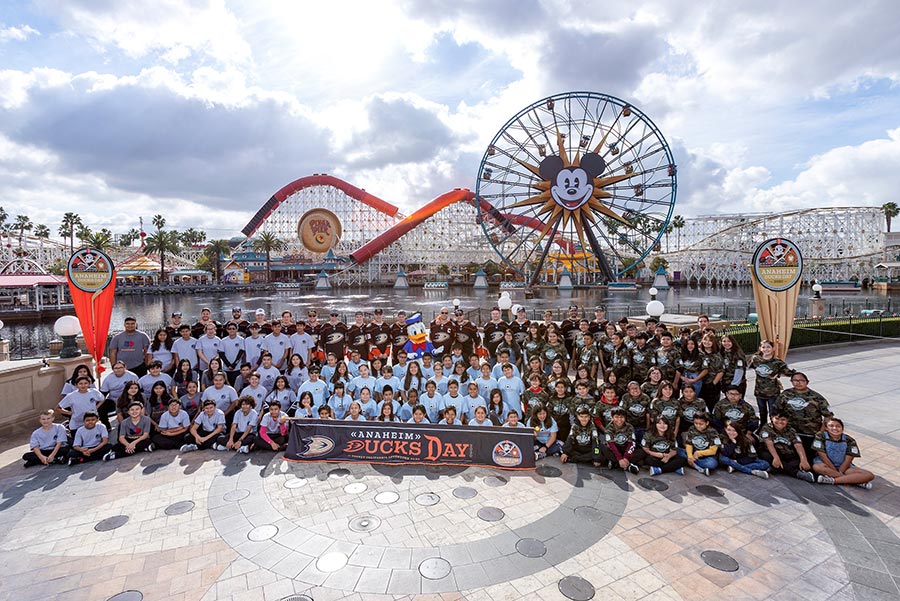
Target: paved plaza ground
(211,526)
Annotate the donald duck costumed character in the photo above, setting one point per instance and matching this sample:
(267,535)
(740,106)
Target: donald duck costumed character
(418,344)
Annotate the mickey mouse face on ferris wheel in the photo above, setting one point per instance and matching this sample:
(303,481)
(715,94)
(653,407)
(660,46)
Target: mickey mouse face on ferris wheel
(572,186)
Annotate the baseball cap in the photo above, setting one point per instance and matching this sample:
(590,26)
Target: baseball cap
(236,309)
(176,313)
(573,307)
(260,311)
(333,313)
(520,310)
(600,308)
(313,370)
(379,311)
(460,312)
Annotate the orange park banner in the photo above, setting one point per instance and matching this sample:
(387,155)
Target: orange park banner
(92,284)
(776,270)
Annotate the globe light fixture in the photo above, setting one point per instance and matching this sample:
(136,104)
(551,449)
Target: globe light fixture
(67,327)
(653,292)
(655,309)
(817,290)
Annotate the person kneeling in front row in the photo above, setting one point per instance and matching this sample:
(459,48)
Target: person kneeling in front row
(273,429)
(209,423)
(49,443)
(241,437)
(583,443)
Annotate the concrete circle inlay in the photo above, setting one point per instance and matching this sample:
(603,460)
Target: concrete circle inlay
(127,596)
(111,523)
(386,498)
(588,513)
(365,523)
(264,532)
(297,598)
(491,514)
(464,492)
(434,568)
(531,547)
(652,484)
(495,481)
(720,561)
(179,507)
(339,473)
(355,488)
(296,483)
(428,499)
(236,495)
(708,490)
(331,562)
(576,588)
(548,471)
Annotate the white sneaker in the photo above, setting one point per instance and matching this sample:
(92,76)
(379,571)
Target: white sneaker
(150,448)
(244,449)
(730,469)
(822,479)
(109,456)
(220,447)
(187,448)
(866,485)
(804,475)
(761,474)
(702,470)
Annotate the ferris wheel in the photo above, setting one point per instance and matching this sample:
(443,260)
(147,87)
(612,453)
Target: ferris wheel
(579,180)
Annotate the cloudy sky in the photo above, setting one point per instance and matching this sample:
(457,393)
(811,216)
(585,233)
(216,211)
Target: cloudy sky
(200,110)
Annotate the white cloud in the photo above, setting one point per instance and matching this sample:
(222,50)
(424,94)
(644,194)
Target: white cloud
(17,34)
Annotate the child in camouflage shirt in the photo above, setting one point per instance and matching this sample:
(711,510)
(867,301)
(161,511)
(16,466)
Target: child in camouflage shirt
(768,369)
(835,453)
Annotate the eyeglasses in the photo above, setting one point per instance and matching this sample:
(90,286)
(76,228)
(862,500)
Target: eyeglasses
(444,313)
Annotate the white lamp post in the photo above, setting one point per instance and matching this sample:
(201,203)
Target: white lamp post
(653,293)
(817,290)
(68,327)
(655,309)
(504,303)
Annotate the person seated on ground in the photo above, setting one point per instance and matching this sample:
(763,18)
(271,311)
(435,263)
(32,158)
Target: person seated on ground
(48,444)
(131,393)
(806,410)
(205,430)
(620,450)
(354,413)
(561,405)
(134,434)
(273,430)
(419,415)
(660,448)
(738,451)
(450,418)
(583,442)
(91,440)
(835,453)
(783,449)
(733,408)
(173,425)
(241,435)
(325,412)
(481,418)
(701,443)
(545,433)
(303,407)
(79,402)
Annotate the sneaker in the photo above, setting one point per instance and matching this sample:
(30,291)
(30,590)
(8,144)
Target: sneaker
(825,479)
(655,471)
(244,449)
(730,469)
(609,465)
(72,461)
(187,448)
(702,470)
(150,448)
(680,471)
(761,474)
(32,463)
(633,468)
(866,485)
(220,447)
(804,475)
(109,456)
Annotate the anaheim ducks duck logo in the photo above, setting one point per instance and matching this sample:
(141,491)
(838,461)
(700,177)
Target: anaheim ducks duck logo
(315,446)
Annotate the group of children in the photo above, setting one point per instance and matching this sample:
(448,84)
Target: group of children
(638,398)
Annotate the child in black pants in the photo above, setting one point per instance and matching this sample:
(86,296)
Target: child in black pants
(91,440)
(48,444)
(583,442)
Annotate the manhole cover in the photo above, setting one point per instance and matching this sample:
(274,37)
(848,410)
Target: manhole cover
(153,467)
(296,483)
(491,514)
(464,492)
(708,490)
(548,471)
(264,532)
(428,499)
(386,498)
(651,484)
(355,488)
(576,588)
(586,512)
(297,598)
(179,507)
(127,596)
(495,481)
(720,561)
(434,568)
(237,495)
(339,473)
(331,562)
(531,547)
(364,523)
(111,523)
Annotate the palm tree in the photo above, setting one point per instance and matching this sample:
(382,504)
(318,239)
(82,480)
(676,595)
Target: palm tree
(678,223)
(161,243)
(67,228)
(22,223)
(267,243)
(190,237)
(3,216)
(214,252)
(41,231)
(101,240)
(83,232)
(891,210)
(128,238)
(159,221)
(668,231)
